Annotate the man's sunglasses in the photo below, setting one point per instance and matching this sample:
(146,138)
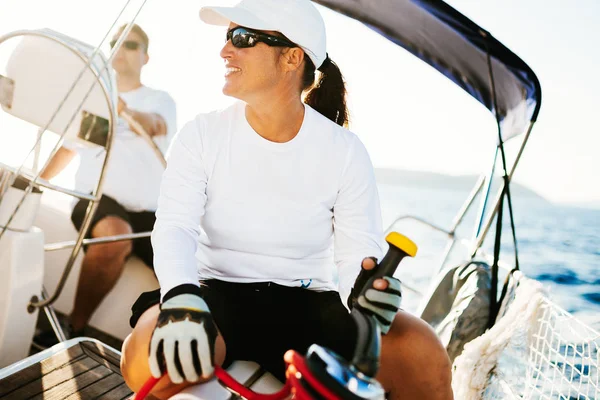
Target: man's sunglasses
(128,44)
(245,37)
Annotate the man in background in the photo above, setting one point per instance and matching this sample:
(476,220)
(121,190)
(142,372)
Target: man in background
(131,183)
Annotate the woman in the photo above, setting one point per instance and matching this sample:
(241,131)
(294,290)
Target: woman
(259,201)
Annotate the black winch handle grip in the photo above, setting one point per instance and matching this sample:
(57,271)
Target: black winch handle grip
(400,247)
(368,346)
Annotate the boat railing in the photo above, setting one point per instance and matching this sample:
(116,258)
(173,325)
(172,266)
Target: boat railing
(453,240)
(104,239)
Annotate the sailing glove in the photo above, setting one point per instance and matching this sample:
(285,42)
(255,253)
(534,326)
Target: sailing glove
(383,305)
(183,341)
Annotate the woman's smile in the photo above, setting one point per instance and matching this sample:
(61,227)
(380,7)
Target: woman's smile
(229,70)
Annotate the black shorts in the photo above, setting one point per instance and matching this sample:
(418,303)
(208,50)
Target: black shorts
(139,222)
(261,321)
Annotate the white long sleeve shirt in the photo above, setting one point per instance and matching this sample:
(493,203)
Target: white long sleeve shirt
(236,207)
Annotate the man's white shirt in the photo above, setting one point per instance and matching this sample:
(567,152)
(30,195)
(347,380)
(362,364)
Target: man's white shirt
(236,207)
(133,172)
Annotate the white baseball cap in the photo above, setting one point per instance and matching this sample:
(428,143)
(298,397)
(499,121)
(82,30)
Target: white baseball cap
(298,20)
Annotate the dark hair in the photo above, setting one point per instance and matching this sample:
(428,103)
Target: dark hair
(328,95)
(140,32)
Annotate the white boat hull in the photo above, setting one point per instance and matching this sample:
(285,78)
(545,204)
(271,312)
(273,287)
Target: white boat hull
(21,276)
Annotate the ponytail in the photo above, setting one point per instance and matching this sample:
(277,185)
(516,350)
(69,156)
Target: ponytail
(328,95)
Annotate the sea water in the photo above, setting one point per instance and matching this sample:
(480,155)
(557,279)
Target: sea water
(557,245)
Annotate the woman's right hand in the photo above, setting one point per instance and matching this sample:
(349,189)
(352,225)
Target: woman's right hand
(183,341)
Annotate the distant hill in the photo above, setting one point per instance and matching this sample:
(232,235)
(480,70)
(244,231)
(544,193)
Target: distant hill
(435,180)
(592,205)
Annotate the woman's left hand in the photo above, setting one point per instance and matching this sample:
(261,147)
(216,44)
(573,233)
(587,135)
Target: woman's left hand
(382,298)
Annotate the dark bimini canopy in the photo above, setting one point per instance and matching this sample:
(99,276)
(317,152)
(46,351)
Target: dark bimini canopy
(457,47)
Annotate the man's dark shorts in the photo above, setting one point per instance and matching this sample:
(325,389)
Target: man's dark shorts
(261,321)
(139,222)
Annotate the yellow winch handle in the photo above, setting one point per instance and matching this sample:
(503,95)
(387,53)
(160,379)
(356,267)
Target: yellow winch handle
(402,242)
(400,247)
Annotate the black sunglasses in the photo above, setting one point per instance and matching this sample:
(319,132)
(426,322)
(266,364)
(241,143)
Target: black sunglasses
(128,44)
(245,37)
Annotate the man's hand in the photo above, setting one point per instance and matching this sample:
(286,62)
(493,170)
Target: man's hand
(183,342)
(382,298)
(152,123)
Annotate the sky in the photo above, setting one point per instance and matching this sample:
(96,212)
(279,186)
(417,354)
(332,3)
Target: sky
(408,115)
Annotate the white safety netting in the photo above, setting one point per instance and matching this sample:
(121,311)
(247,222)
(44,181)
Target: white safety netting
(536,350)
